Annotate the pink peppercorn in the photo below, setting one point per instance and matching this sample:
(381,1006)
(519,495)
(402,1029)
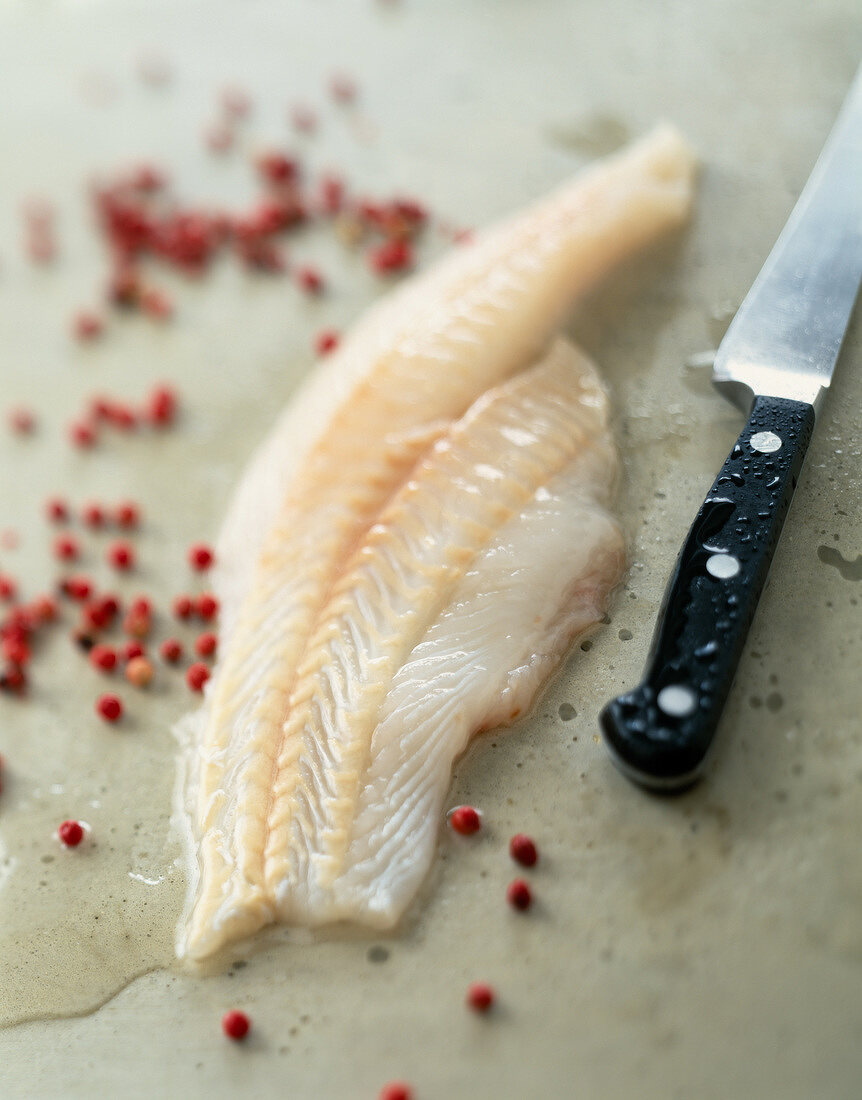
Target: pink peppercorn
(277,168)
(109,707)
(523,850)
(200,556)
(71,833)
(140,605)
(396,1090)
(205,645)
(326,341)
(86,326)
(519,895)
(171,650)
(310,280)
(207,606)
(182,607)
(137,624)
(82,435)
(57,510)
(156,303)
(121,555)
(8,588)
(77,587)
(394,255)
(139,671)
(127,515)
(480,996)
(103,657)
(465,820)
(22,421)
(161,407)
(131,650)
(66,548)
(197,675)
(235,1024)
(343,88)
(93,515)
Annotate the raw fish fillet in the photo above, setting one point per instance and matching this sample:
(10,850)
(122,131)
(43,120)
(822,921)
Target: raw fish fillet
(407,559)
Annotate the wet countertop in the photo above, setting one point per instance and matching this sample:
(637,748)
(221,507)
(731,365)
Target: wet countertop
(709,945)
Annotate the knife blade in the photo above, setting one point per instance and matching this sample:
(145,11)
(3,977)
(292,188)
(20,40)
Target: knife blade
(775,362)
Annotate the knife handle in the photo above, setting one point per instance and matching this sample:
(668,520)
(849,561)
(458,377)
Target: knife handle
(659,733)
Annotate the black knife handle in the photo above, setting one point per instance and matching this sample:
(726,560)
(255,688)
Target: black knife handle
(659,733)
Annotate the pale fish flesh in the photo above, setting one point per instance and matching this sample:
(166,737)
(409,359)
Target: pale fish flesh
(407,559)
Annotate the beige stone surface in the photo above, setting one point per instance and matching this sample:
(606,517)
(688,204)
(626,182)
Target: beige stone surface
(709,946)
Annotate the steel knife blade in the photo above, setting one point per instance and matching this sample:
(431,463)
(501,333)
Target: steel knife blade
(775,362)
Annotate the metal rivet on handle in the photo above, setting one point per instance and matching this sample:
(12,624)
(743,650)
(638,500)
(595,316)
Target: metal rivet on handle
(765,442)
(722,566)
(676,700)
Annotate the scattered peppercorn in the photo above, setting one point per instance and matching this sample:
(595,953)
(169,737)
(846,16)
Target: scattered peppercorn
(200,557)
(67,548)
(57,510)
(205,645)
(8,587)
(480,996)
(197,675)
(93,515)
(71,833)
(128,515)
(519,895)
(139,671)
(87,326)
(523,850)
(465,820)
(109,707)
(103,657)
(22,421)
(396,1090)
(326,341)
(182,607)
(310,280)
(171,650)
(207,606)
(82,435)
(121,556)
(77,587)
(235,1024)
(131,650)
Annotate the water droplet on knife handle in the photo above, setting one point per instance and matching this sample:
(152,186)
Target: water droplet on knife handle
(659,733)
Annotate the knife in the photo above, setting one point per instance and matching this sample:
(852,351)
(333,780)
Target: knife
(775,363)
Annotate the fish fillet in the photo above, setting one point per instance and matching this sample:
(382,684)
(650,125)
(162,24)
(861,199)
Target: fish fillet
(405,562)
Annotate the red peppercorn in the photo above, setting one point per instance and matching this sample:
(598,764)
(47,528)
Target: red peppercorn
(57,510)
(200,556)
(44,609)
(235,1024)
(343,88)
(13,679)
(197,675)
(122,417)
(277,168)
(124,286)
(93,515)
(22,421)
(396,1090)
(310,280)
(132,650)
(82,435)
(15,650)
(519,895)
(480,996)
(394,255)
(161,407)
(182,607)
(103,657)
(207,606)
(140,605)
(523,850)
(127,515)
(109,707)
(86,326)
(77,587)
(171,650)
(139,671)
(331,194)
(121,555)
(303,118)
(66,548)
(71,833)
(236,102)
(205,645)
(136,624)
(156,303)
(326,341)
(8,587)
(465,820)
